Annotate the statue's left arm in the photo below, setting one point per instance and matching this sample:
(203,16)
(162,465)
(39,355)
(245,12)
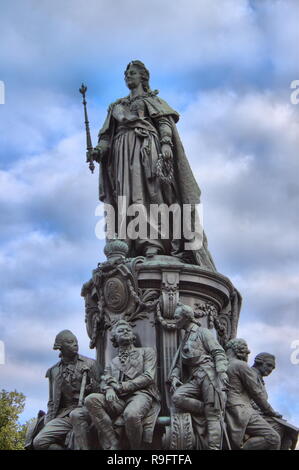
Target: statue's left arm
(217,352)
(165,133)
(107,379)
(163,117)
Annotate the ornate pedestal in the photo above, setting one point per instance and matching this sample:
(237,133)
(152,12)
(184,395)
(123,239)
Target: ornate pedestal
(145,292)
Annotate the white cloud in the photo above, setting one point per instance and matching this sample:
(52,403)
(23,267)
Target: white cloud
(243,149)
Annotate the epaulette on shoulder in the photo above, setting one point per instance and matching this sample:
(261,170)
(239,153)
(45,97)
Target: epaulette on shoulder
(87,359)
(154,93)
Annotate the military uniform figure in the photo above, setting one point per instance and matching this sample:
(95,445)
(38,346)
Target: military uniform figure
(65,384)
(205,363)
(245,423)
(129,393)
(264,364)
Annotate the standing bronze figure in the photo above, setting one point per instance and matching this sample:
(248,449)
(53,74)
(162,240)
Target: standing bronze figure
(198,378)
(143,160)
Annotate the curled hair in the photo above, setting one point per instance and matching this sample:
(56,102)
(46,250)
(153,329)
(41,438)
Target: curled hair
(116,325)
(235,344)
(144,73)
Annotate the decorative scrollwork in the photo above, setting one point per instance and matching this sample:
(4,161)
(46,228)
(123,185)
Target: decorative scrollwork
(170,292)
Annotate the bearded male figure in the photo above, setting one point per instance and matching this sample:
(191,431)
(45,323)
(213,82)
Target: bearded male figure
(65,413)
(129,392)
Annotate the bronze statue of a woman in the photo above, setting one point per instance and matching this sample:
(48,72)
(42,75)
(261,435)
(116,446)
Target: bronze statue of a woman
(143,160)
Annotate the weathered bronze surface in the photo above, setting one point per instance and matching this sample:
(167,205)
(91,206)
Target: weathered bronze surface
(142,159)
(246,427)
(129,396)
(167,311)
(264,364)
(70,380)
(198,378)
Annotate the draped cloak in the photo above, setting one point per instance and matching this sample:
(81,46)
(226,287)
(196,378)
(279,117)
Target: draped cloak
(185,189)
(156,108)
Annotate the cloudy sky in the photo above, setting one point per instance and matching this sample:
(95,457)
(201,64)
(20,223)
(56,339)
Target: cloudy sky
(227,68)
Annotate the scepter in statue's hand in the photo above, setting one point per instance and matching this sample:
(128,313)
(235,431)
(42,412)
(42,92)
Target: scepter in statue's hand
(89,147)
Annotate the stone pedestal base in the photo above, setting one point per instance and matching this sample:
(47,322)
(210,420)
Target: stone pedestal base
(146,292)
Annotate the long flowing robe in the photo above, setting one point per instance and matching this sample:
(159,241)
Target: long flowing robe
(131,132)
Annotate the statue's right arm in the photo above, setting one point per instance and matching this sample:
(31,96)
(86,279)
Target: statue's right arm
(102,148)
(107,385)
(99,152)
(107,379)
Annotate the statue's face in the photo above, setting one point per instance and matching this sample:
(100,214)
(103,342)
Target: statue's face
(124,334)
(266,367)
(243,352)
(180,318)
(69,345)
(133,77)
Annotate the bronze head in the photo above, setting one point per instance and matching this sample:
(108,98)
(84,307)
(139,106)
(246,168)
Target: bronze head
(265,363)
(66,342)
(239,348)
(136,71)
(122,334)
